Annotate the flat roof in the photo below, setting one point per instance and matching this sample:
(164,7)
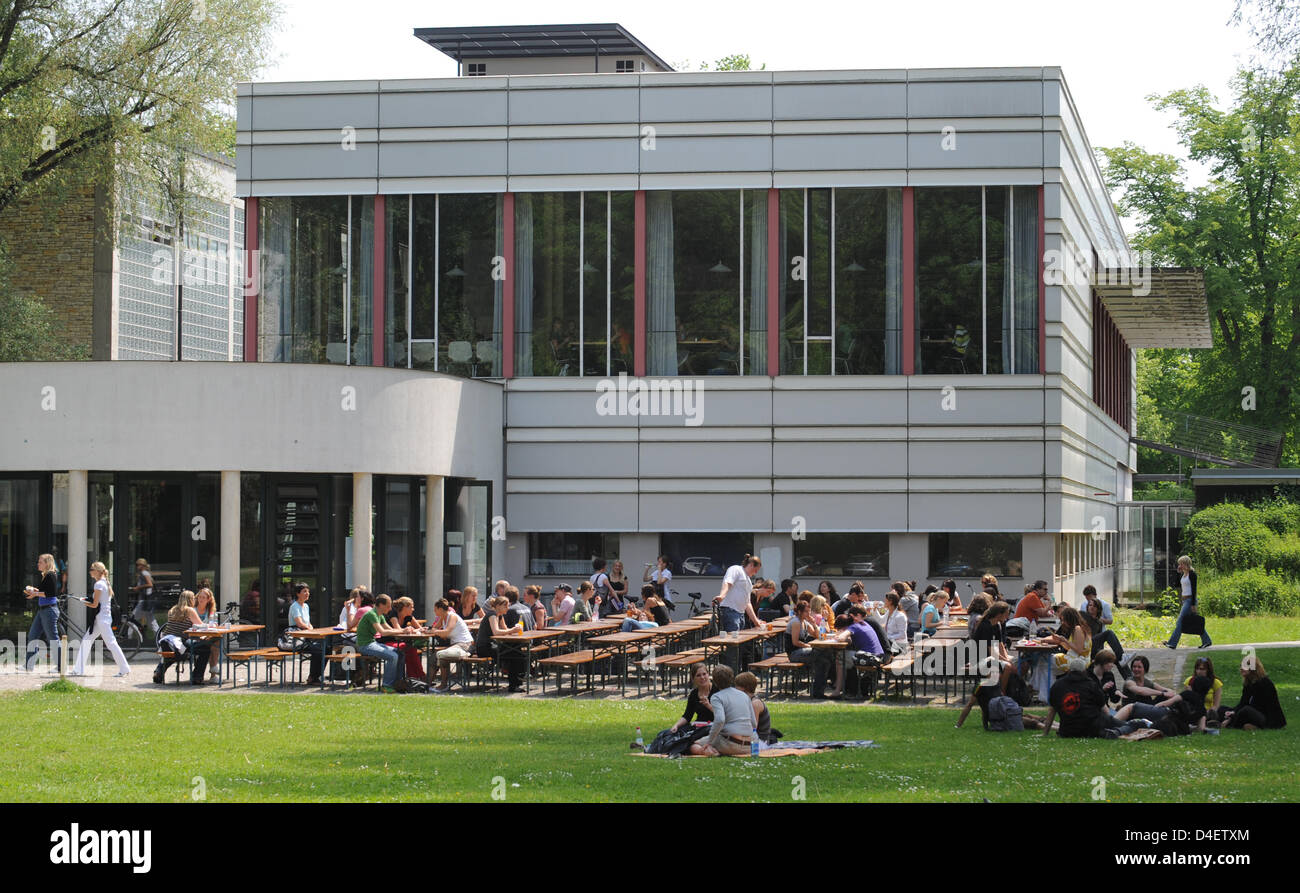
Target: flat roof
(1160,307)
(515,41)
(1245,475)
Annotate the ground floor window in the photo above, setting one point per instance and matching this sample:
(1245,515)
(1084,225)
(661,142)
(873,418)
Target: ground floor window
(842,555)
(705,554)
(569,554)
(976,554)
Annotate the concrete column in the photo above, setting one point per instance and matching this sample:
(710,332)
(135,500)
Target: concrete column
(434,526)
(228,571)
(78,542)
(362,530)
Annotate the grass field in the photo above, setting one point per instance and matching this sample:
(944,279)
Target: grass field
(1142,629)
(118,747)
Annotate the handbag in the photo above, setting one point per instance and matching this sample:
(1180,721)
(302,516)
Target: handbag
(287,642)
(1194,624)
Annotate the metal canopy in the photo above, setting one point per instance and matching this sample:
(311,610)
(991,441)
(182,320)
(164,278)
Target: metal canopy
(515,41)
(1158,307)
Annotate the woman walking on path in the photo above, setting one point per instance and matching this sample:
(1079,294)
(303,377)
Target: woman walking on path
(45,622)
(1187,583)
(102,626)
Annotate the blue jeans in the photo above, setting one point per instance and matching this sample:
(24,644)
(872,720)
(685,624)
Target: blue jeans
(1178,627)
(634,626)
(45,625)
(730,619)
(390,658)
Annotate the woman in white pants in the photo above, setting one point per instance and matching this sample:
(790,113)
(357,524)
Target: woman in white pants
(102,625)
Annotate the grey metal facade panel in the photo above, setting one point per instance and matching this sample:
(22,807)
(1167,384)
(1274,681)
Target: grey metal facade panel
(821,101)
(561,409)
(564,512)
(945,512)
(465,158)
(841,406)
(329,161)
(571,460)
(840,152)
(443,108)
(571,156)
(720,409)
(975,150)
(975,98)
(687,154)
(329,112)
(737,511)
(574,106)
(713,460)
(992,458)
(994,407)
(660,102)
(840,459)
(840,511)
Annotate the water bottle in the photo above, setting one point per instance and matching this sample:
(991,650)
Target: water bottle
(946,611)
(753,744)
(640,742)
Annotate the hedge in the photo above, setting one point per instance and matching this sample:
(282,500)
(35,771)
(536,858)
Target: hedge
(1227,537)
(1250,591)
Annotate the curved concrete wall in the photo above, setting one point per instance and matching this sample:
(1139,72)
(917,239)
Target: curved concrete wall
(162,416)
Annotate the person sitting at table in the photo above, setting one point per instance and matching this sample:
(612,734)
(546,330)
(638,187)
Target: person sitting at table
(954,600)
(180,617)
(466,603)
(748,683)
(856,595)
(562,605)
(586,607)
(990,649)
(894,618)
(654,605)
(910,605)
(517,613)
(733,717)
(370,627)
(799,634)
(820,614)
(300,618)
(403,617)
(978,606)
(450,627)
(533,603)
(1259,707)
(1031,606)
(697,702)
(636,620)
(987,582)
(205,605)
(859,636)
(931,614)
(1072,636)
(496,624)
(352,604)
(1102,635)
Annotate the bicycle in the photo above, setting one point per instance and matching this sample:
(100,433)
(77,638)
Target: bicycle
(130,638)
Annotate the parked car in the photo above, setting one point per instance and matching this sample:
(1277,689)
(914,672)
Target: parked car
(862,566)
(697,565)
(808,564)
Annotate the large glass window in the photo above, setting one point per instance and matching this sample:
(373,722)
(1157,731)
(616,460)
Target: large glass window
(842,288)
(705,554)
(316,300)
(573,283)
(977,279)
(706,282)
(975,554)
(842,555)
(568,554)
(444,274)
(22,540)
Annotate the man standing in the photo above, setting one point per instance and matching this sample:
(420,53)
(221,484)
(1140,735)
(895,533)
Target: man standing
(733,601)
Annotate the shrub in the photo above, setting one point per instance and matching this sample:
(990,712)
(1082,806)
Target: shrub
(1279,515)
(1282,555)
(1226,537)
(1250,591)
(1169,602)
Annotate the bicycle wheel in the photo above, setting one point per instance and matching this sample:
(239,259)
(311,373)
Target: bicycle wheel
(130,639)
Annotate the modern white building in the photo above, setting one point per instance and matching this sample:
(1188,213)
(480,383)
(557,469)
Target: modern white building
(868,295)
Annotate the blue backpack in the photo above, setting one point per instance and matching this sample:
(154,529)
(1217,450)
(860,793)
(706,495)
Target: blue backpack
(1005,715)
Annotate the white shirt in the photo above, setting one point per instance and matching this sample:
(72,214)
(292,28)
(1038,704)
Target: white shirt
(563,609)
(665,577)
(345,616)
(1187,585)
(460,634)
(738,595)
(895,625)
(105,603)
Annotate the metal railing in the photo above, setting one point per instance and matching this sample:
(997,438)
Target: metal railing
(1211,440)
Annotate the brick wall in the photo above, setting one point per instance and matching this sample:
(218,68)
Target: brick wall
(53,256)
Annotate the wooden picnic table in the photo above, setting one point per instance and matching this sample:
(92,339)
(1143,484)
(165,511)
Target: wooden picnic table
(1038,655)
(623,642)
(220,632)
(320,634)
(527,639)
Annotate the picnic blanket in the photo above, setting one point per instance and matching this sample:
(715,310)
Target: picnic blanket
(787,749)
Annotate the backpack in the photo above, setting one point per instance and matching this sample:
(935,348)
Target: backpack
(1005,715)
(1018,691)
(676,744)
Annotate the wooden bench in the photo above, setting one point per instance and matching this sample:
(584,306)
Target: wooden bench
(896,672)
(585,659)
(484,668)
(171,655)
(246,659)
(778,668)
(342,658)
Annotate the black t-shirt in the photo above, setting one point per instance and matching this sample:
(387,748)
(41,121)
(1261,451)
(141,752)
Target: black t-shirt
(696,709)
(780,603)
(987,632)
(1078,701)
(517,612)
(660,614)
(483,637)
(1262,695)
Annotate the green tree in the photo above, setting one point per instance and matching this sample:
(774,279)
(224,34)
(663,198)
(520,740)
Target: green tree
(734,62)
(1242,227)
(89,88)
(28,329)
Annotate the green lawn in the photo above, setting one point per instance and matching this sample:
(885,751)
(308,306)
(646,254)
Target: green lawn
(1141,629)
(100,746)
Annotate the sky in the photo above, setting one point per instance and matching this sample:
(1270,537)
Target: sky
(1113,54)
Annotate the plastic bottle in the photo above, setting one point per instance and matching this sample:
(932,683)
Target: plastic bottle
(946,610)
(753,744)
(640,742)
